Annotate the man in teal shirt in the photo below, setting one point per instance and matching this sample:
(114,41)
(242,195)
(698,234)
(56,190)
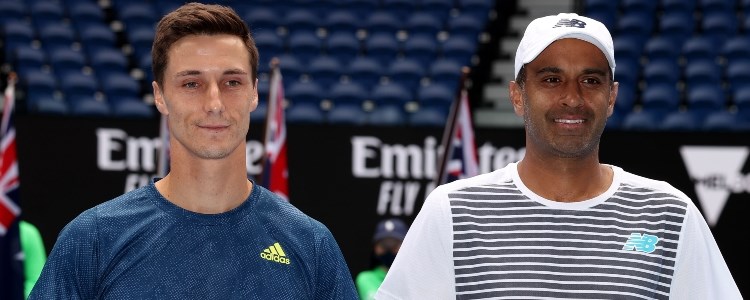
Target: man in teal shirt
(389,234)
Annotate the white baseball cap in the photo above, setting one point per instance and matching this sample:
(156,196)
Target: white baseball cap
(543,31)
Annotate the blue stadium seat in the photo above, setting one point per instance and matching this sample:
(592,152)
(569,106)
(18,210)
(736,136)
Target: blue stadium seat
(302,21)
(480,9)
(660,99)
(715,6)
(262,18)
(678,6)
(84,14)
(407,72)
(141,39)
(27,59)
(65,61)
(107,61)
(705,99)
(680,121)
(304,92)
(736,48)
(703,72)
(269,43)
(391,94)
(132,108)
(363,8)
(401,8)
(304,45)
(438,8)
(721,121)
(609,19)
(465,25)
(662,72)
(387,116)
(56,36)
(627,48)
(44,13)
(445,72)
(78,85)
(39,85)
(428,117)
(16,33)
(628,72)
(347,115)
(699,47)
(422,48)
(626,97)
(382,22)
(458,48)
(741,99)
(639,6)
(95,38)
(424,23)
(435,96)
(12,11)
(49,106)
(305,113)
(135,15)
(719,26)
(117,86)
(738,74)
(660,47)
(382,47)
(325,70)
(365,71)
(343,46)
(90,107)
(590,6)
(677,26)
(291,68)
(348,93)
(640,121)
(635,25)
(342,21)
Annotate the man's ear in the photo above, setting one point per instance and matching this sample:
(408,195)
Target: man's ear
(254,97)
(516,98)
(159,99)
(612,98)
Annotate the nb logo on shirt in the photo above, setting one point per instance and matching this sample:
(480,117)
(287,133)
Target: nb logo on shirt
(570,23)
(641,242)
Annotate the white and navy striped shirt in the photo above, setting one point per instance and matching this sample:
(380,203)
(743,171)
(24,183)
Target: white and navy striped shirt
(490,237)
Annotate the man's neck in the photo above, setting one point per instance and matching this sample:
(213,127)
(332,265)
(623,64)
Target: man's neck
(565,180)
(206,186)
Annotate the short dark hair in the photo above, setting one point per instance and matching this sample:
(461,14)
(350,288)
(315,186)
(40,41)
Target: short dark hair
(199,19)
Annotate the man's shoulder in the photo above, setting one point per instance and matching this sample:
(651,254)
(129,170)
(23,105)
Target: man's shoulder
(635,182)
(283,215)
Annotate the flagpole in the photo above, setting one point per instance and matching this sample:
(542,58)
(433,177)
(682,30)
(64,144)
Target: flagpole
(9,102)
(450,128)
(264,176)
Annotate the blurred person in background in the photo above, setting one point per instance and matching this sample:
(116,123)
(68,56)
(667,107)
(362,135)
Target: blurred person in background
(389,234)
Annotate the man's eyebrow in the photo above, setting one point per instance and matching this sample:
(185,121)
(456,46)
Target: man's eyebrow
(594,71)
(187,73)
(235,72)
(196,72)
(555,70)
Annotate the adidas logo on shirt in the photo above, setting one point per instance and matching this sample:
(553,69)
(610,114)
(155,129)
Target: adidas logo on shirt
(275,253)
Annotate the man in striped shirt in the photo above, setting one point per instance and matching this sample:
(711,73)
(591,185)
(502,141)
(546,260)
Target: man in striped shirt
(559,224)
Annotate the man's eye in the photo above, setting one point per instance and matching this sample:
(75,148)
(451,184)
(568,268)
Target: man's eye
(233,83)
(591,81)
(191,85)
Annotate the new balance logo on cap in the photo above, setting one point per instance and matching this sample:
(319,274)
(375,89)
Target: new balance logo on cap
(275,253)
(570,23)
(641,242)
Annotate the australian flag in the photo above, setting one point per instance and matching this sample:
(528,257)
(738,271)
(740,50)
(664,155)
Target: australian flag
(275,174)
(459,151)
(11,257)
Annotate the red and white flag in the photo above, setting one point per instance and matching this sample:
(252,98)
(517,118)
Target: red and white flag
(459,150)
(275,173)
(9,207)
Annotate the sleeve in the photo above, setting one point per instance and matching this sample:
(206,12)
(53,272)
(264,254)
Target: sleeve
(334,281)
(423,268)
(700,270)
(70,270)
